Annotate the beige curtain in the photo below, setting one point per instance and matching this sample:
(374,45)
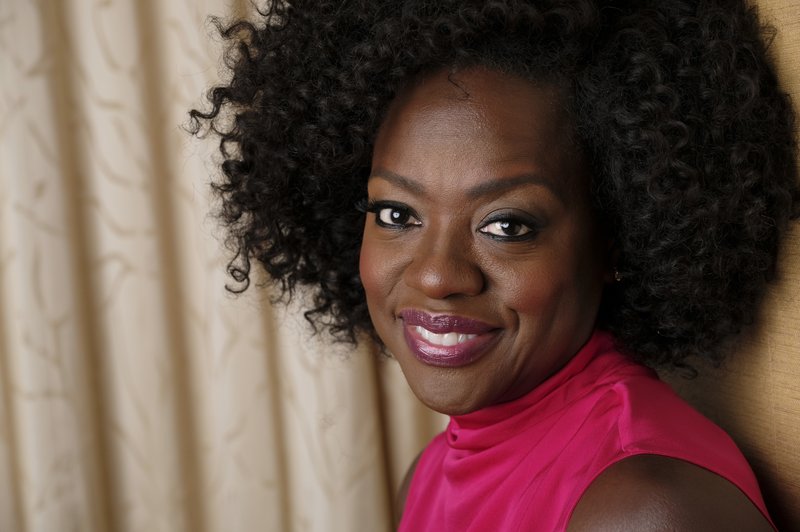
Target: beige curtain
(135,394)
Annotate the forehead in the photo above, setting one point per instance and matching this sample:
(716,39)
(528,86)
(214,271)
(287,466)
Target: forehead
(501,102)
(476,124)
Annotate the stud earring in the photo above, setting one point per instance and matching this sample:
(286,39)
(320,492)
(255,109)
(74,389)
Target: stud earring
(617,275)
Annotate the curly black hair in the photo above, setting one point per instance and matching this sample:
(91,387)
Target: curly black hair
(690,139)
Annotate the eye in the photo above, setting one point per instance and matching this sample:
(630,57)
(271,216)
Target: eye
(505,228)
(392,215)
(509,229)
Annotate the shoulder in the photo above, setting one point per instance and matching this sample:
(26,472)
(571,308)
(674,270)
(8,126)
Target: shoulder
(650,492)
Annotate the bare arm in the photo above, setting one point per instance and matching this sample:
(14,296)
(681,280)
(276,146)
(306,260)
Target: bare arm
(651,492)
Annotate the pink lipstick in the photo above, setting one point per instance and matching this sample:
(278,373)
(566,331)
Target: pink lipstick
(445,340)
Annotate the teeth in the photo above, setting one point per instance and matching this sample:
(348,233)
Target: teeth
(446,339)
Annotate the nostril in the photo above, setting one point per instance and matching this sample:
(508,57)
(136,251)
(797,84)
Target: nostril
(443,275)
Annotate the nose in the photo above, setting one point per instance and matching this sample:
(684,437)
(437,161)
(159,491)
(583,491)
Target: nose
(443,268)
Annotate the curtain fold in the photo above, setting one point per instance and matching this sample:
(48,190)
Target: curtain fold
(135,393)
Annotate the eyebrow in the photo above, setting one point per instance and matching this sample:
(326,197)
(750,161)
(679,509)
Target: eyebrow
(399,180)
(507,183)
(488,187)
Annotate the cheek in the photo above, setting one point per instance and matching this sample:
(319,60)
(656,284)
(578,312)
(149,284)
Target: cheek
(561,292)
(379,277)
(545,289)
(375,269)
(367,266)
(531,290)
(527,282)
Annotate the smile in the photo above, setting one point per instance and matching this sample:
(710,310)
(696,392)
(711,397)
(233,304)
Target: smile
(446,341)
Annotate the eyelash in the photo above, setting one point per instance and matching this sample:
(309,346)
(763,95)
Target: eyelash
(376,207)
(533,226)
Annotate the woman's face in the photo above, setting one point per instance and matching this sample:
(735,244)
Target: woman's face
(482,261)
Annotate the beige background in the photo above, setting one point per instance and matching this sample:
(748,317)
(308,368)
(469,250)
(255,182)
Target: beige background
(135,395)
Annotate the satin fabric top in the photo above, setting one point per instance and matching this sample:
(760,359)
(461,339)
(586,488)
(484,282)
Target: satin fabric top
(523,465)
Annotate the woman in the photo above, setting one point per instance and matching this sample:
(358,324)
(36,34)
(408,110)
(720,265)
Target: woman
(545,196)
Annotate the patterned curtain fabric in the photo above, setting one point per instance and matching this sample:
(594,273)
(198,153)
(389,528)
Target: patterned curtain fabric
(135,393)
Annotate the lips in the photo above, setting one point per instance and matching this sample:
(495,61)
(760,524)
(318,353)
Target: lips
(446,340)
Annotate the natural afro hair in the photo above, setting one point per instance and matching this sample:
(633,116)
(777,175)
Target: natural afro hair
(676,104)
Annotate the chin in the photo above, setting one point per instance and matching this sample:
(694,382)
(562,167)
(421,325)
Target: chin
(446,396)
(448,408)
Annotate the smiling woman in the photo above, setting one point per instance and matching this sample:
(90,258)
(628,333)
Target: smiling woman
(524,202)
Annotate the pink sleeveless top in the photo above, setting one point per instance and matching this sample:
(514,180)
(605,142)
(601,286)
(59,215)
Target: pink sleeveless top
(524,465)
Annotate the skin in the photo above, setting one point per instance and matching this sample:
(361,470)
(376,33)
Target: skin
(649,492)
(456,161)
(458,155)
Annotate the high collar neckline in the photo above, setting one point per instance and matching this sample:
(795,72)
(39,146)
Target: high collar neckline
(487,426)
